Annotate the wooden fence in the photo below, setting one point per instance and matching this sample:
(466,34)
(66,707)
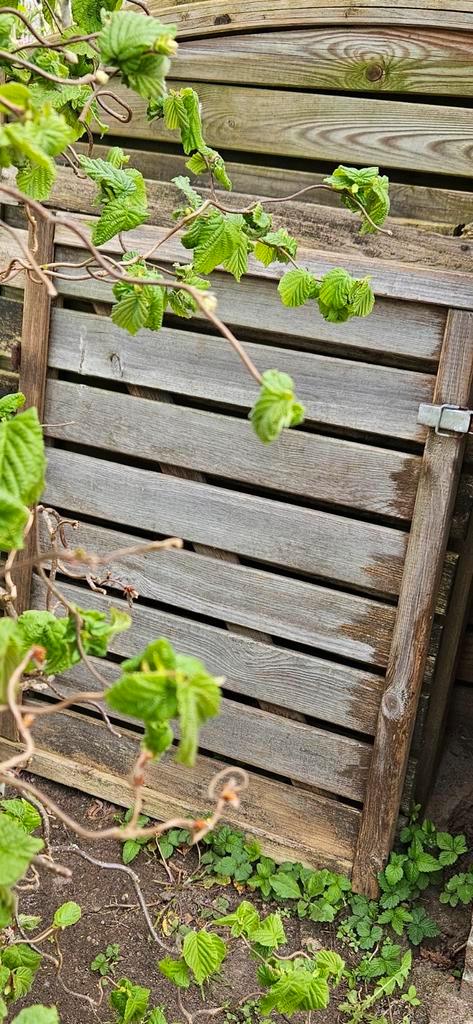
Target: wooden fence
(318,574)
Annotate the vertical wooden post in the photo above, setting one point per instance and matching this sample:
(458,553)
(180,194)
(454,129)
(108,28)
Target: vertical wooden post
(424,559)
(33,370)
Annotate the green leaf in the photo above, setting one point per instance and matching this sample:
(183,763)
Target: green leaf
(23,813)
(9,405)
(16,850)
(243,921)
(276,246)
(158,738)
(198,698)
(14,92)
(131,312)
(21,955)
(11,652)
(335,288)
(22,980)
(145,695)
(276,407)
(296,287)
(66,915)
(270,932)
(157,1016)
(37,1015)
(131,1001)
(131,849)
(176,970)
(427,863)
(203,952)
(22,465)
(285,886)
(298,990)
(193,198)
(29,922)
(36,181)
(117,216)
(182,111)
(127,35)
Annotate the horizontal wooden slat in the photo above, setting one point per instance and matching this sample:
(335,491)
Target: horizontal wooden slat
(259,739)
(401,60)
(348,626)
(413,136)
(389,279)
(338,393)
(292,823)
(334,547)
(324,468)
(308,222)
(418,204)
(202,17)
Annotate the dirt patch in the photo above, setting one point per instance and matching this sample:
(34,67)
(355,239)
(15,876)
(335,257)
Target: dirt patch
(110,914)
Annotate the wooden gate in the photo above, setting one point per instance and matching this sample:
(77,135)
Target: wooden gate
(315,575)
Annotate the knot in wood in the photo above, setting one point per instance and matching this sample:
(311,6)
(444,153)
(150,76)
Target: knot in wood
(374,72)
(223,19)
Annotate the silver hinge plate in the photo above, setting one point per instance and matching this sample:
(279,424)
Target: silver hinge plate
(445,419)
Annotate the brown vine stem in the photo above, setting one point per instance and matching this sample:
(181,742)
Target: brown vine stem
(22,63)
(197,828)
(24,732)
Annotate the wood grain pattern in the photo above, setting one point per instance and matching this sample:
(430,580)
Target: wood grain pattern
(324,468)
(331,547)
(309,223)
(376,399)
(429,532)
(284,747)
(414,136)
(290,822)
(209,17)
(390,280)
(359,59)
(418,204)
(327,620)
(32,381)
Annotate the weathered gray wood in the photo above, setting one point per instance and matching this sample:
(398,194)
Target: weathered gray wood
(348,626)
(321,127)
(228,16)
(348,394)
(309,223)
(389,279)
(421,204)
(77,751)
(324,468)
(400,60)
(301,752)
(429,532)
(333,547)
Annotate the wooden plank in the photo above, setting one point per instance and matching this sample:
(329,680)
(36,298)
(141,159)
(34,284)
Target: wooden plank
(445,670)
(364,555)
(378,400)
(411,136)
(291,823)
(417,203)
(348,626)
(209,17)
(429,532)
(400,60)
(338,232)
(401,331)
(334,763)
(389,279)
(324,468)
(34,362)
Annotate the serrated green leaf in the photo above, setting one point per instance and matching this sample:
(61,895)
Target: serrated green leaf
(9,404)
(37,1015)
(244,921)
(158,737)
(131,312)
(193,198)
(270,932)
(16,850)
(117,216)
(22,460)
(276,407)
(23,813)
(299,990)
(203,953)
(176,970)
(21,955)
(296,287)
(285,886)
(67,914)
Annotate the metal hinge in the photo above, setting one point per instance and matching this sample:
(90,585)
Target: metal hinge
(445,419)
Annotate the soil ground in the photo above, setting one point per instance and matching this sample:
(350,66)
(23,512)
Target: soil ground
(110,914)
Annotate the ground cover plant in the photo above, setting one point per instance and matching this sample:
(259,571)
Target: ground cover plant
(60,69)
